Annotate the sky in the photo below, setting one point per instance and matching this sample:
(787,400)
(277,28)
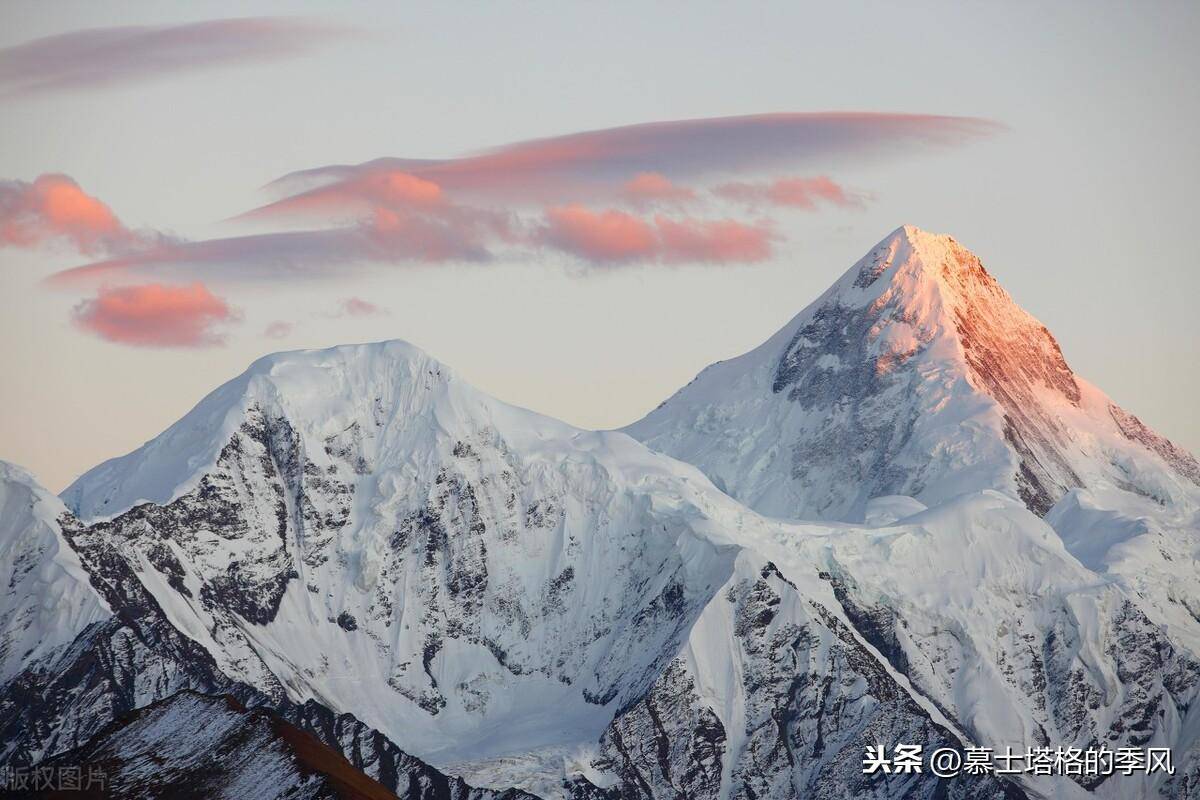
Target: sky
(576,206)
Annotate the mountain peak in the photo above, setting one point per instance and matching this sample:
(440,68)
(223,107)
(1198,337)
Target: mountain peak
(329,388)
(391,351)
(920,257)
(917,291)
(914,374)
(917,236)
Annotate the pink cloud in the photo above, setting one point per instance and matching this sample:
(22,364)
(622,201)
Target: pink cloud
(654,187)
(109,56)
(792,192)
(367,193)
(616,236)
(405,211)
(54,208)
(357,307)
(154,315)
(597,165)
(713,241)
(599,236)
(278,329)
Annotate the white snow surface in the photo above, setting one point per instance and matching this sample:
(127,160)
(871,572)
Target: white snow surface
(47,600)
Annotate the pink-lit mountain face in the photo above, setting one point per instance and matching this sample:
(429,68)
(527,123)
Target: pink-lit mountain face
(915,374)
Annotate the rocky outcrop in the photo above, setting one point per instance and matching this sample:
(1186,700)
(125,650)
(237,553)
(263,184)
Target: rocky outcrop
(202,747)
(806,700)
(136,657)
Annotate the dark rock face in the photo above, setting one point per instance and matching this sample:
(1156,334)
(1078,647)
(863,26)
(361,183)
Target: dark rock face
(668,744)
(254,497)
(873,265)
(196,746)
(1070,697)
(833,369)
(811,699)
(137,657)
(191,745)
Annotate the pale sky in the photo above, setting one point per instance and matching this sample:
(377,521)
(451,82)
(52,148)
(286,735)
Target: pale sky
(1083,204)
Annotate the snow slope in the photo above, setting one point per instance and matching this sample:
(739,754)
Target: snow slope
(47,600)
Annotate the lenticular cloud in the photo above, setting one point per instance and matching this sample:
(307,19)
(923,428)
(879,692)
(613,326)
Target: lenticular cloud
(96,57)
(612,196)
(594,164)
(155,315)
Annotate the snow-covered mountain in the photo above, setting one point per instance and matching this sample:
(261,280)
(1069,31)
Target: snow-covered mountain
(361,528)
(471,601)
(86,643)
(357,533)
(914,374)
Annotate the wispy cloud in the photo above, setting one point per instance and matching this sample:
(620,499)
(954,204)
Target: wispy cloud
(359,194)
(97,57)
(357,307)
(802,193)
(542,196)
(654,188)
(156,315)
(597,165)
(615,236)
(387,237)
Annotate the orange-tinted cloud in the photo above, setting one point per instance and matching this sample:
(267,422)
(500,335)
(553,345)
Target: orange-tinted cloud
(654,187)
(594,166)
(463,208)
(713,241)
(107,56)
(792,192)
(54,208)
(367,193)
(599,235)
(155,315)
(406,211)
(616,236)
